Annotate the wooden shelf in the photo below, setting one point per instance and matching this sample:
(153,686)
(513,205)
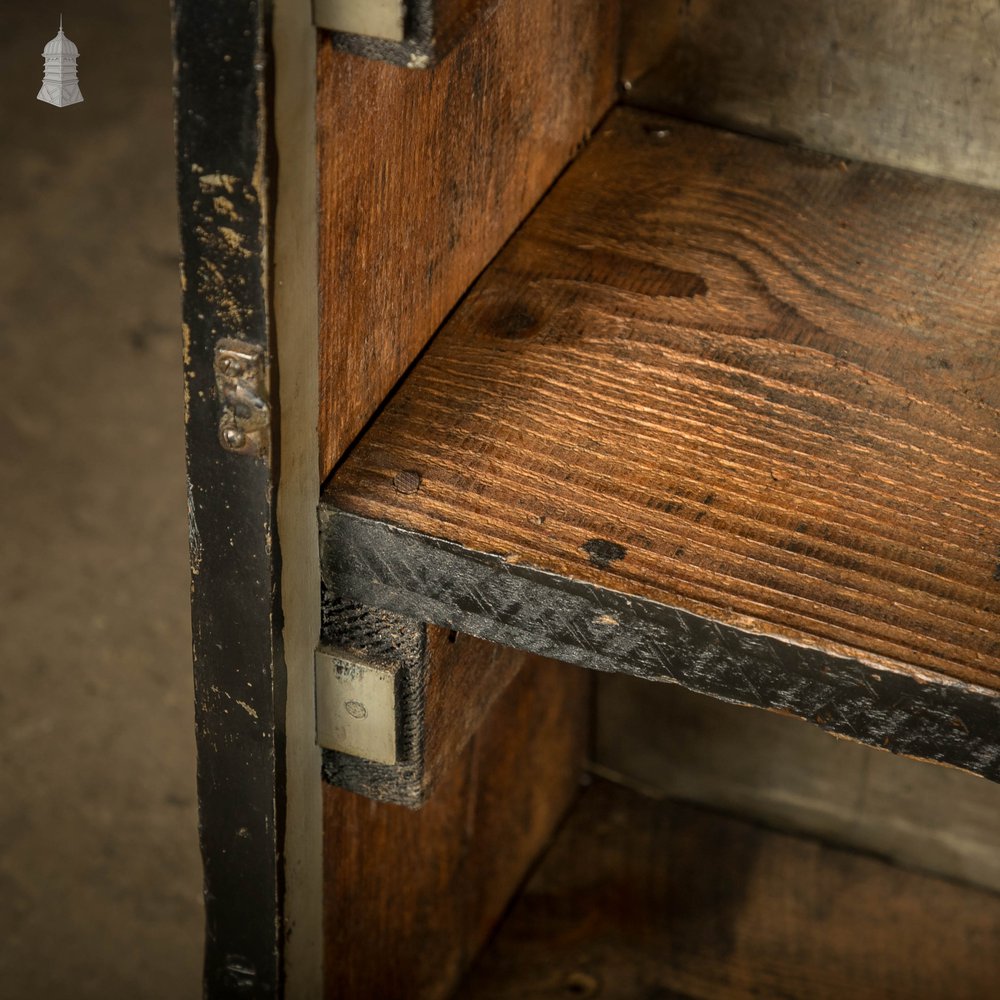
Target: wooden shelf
(644,898)
(723,413)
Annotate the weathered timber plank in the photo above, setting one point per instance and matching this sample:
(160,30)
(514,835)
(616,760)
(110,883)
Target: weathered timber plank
(642,898)
(411,896)
(224,184)
(422,176)
(906,83)
(724,413)
(446,685)
(556,616)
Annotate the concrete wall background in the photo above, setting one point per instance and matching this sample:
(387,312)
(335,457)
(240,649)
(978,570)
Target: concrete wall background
(99,870)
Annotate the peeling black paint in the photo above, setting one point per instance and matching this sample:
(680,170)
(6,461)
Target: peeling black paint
(221,81)
(435,580)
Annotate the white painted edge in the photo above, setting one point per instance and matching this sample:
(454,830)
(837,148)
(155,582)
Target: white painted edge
(296,332)
(375,18)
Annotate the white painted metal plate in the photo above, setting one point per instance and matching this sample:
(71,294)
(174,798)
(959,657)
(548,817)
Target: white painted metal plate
(355,707)
(377,18)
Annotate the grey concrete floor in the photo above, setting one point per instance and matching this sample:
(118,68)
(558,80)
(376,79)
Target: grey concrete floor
(100,878)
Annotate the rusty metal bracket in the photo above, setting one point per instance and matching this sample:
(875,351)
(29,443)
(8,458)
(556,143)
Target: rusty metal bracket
(241,378)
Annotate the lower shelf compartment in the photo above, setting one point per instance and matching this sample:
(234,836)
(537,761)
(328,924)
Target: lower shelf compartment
(654,899)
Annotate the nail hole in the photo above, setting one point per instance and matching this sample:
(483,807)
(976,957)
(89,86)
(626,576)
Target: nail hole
(656,132)
(580,984)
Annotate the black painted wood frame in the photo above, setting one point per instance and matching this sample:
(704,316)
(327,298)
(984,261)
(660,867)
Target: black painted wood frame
(222,133)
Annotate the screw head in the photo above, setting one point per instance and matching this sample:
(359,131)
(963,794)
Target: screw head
(233,438)
(407,481)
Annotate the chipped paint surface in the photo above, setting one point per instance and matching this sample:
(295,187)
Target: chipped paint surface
(224,207)
(222,187)
(252,712)
(211,182)
(233,239)
(194,538)
(897,707)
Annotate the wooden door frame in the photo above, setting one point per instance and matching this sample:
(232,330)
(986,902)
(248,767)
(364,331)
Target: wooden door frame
(245,84)
(222,132)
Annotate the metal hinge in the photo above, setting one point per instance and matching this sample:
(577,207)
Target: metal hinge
(241,378)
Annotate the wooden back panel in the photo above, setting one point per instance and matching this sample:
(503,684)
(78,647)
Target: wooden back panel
(905,82)
(424,175)
(790,775)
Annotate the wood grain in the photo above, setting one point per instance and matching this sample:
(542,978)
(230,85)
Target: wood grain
(411,896)
(733,400)
(446,21)
(225,198)
(906,83)
(640,898)
(423,176)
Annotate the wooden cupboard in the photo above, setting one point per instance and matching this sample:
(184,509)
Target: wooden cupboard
(526,337)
